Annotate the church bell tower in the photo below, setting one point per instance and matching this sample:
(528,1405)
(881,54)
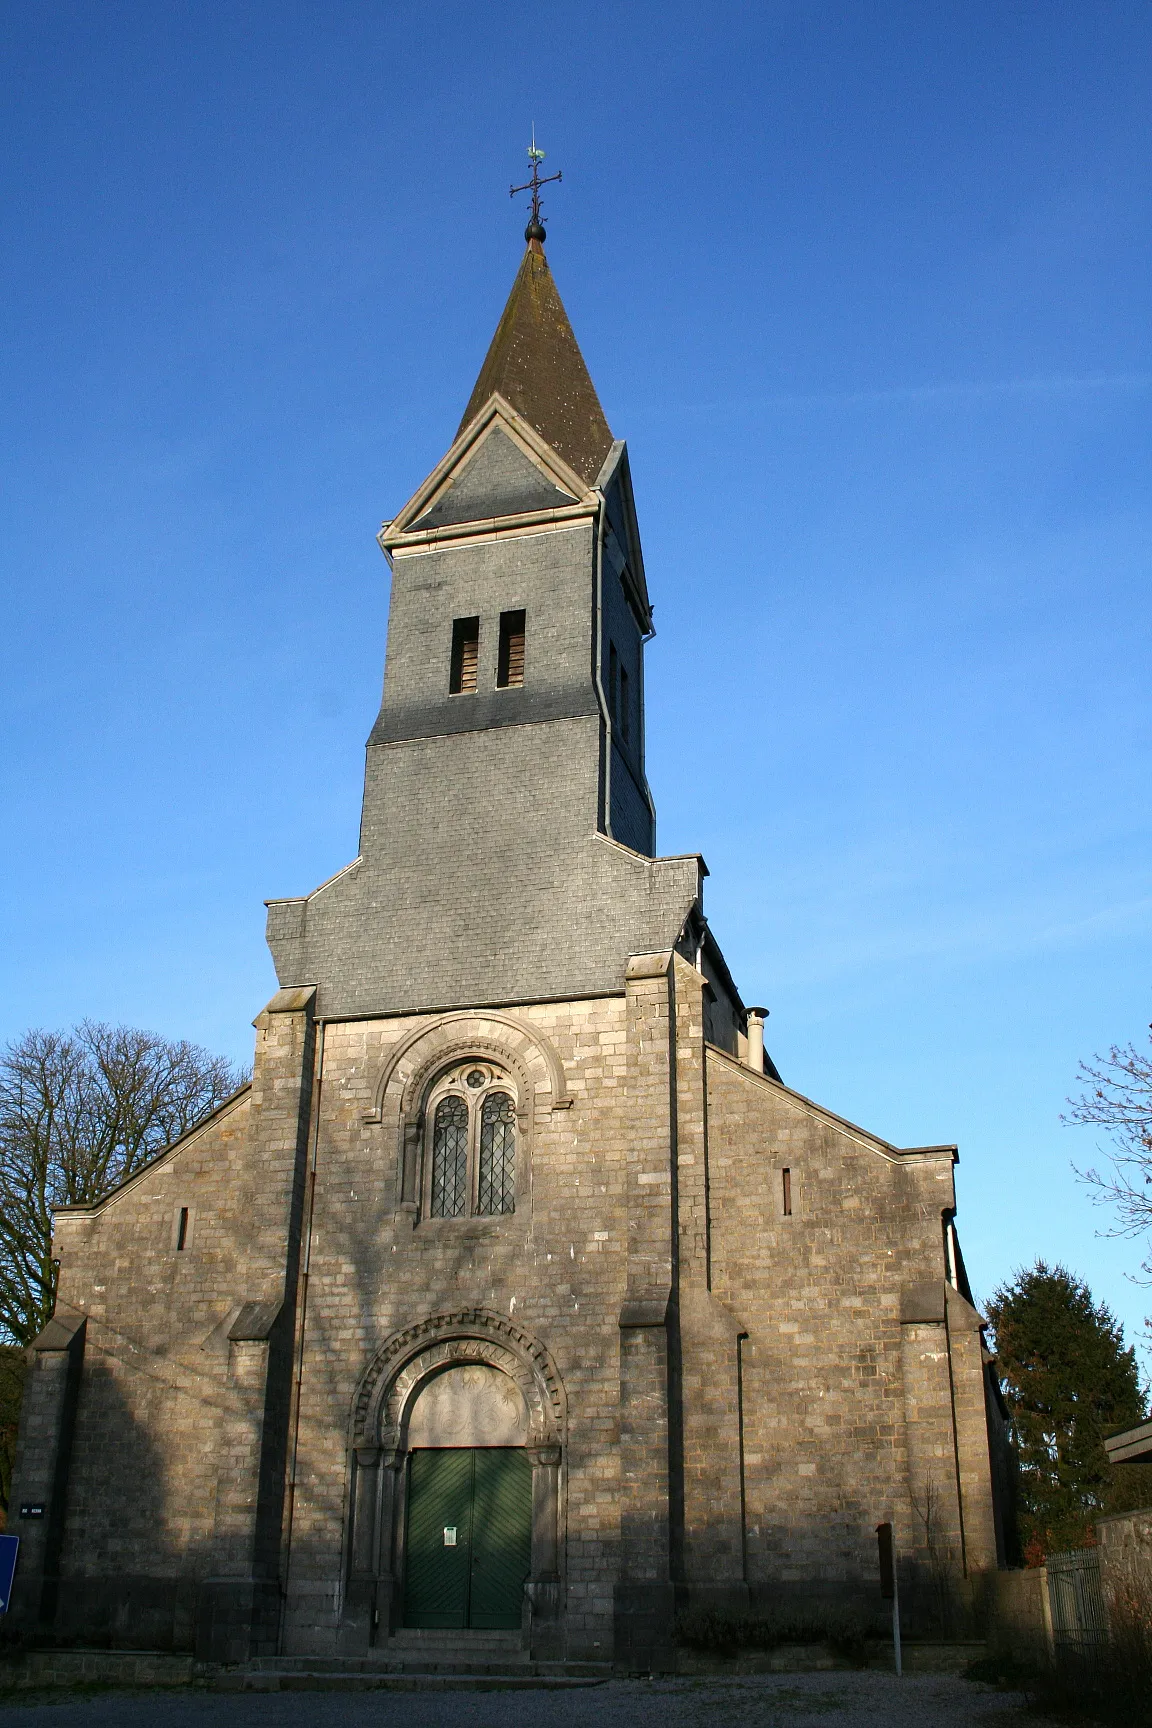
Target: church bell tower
(518,596)
(508,833)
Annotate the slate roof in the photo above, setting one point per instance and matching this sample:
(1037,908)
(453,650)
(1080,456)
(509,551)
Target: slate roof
(498,480)
(535,363)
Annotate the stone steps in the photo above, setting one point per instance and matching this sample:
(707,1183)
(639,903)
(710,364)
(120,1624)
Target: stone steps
(417,1660)
(394,1661)
(469,1646)
(325,1680)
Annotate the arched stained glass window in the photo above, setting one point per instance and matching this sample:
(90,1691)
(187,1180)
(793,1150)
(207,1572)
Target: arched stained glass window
(470,1149)
(496,1188)
(450,1158)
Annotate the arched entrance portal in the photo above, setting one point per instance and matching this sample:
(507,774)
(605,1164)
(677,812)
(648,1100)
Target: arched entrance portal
(468,1548)
(457,1447)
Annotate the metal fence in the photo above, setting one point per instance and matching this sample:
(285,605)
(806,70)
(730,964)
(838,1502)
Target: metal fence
(1079,1620)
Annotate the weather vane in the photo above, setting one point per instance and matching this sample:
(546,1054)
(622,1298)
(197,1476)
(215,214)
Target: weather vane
(535,228)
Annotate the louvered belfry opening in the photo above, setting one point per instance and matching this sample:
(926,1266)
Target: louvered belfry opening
(465,656)
(510,664)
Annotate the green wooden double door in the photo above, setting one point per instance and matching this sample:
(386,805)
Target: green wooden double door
(469,1541)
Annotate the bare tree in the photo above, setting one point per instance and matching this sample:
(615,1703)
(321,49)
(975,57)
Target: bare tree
(80,1112)
(1117,1097)
(943,1570)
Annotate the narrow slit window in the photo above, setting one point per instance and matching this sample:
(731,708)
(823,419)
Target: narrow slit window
(786,1186)
(182,1230)
(465,656)
(625,713)
(510,665)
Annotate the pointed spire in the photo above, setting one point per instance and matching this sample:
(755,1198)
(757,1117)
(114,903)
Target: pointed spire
(535,362)
(536,365)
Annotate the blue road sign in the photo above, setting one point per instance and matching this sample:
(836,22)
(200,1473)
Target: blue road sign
(9,1548)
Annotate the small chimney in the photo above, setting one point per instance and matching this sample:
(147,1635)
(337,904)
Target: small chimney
(755,1056)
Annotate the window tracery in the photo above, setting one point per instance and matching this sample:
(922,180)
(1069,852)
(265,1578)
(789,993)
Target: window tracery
(472,1144)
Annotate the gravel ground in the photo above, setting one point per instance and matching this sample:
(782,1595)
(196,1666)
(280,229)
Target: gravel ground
(840,1700)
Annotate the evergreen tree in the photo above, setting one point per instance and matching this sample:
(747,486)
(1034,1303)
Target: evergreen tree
(1068,1381)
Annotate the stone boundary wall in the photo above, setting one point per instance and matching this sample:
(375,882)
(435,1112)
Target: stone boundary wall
(1125,1545)
(37,1668)
(1017,1613)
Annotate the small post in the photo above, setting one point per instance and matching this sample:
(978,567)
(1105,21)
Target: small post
(889,1588)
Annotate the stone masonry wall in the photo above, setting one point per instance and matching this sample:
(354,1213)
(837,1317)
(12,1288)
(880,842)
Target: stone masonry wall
(709,1333)
(556,1267)
(170,1437)
(849,1414)
(154,1392)
(649,1264)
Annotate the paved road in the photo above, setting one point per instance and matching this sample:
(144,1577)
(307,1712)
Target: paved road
(838,1700)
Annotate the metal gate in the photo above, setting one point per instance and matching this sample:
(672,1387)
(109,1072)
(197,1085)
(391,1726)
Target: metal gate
(1079,1620)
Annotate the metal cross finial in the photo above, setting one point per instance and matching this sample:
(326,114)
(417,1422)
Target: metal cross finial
(535,228)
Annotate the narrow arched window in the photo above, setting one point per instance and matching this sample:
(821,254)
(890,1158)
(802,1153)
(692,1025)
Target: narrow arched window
(496,1188)
(471,1147)
(450,1158)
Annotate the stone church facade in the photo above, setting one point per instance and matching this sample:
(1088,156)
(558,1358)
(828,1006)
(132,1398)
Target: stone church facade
(516,1291)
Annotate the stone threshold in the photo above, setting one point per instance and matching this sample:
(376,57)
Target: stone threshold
(325,1680)
(43,1669)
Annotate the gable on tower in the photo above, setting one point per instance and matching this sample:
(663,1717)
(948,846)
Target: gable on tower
(534,448)
(505,796)
(499,468)
(498,478)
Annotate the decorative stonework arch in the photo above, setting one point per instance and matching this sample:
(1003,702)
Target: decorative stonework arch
(473,1032)
(375,1536)
(414,1065)
(457,1352)
(407,1360)
(419,1083)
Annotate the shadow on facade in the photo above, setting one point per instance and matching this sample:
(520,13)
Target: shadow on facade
(142,1583)
(937,1601)
(184,1550)
(112,1603)
(113,1606)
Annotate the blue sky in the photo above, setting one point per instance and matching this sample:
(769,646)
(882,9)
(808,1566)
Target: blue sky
(866,288)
